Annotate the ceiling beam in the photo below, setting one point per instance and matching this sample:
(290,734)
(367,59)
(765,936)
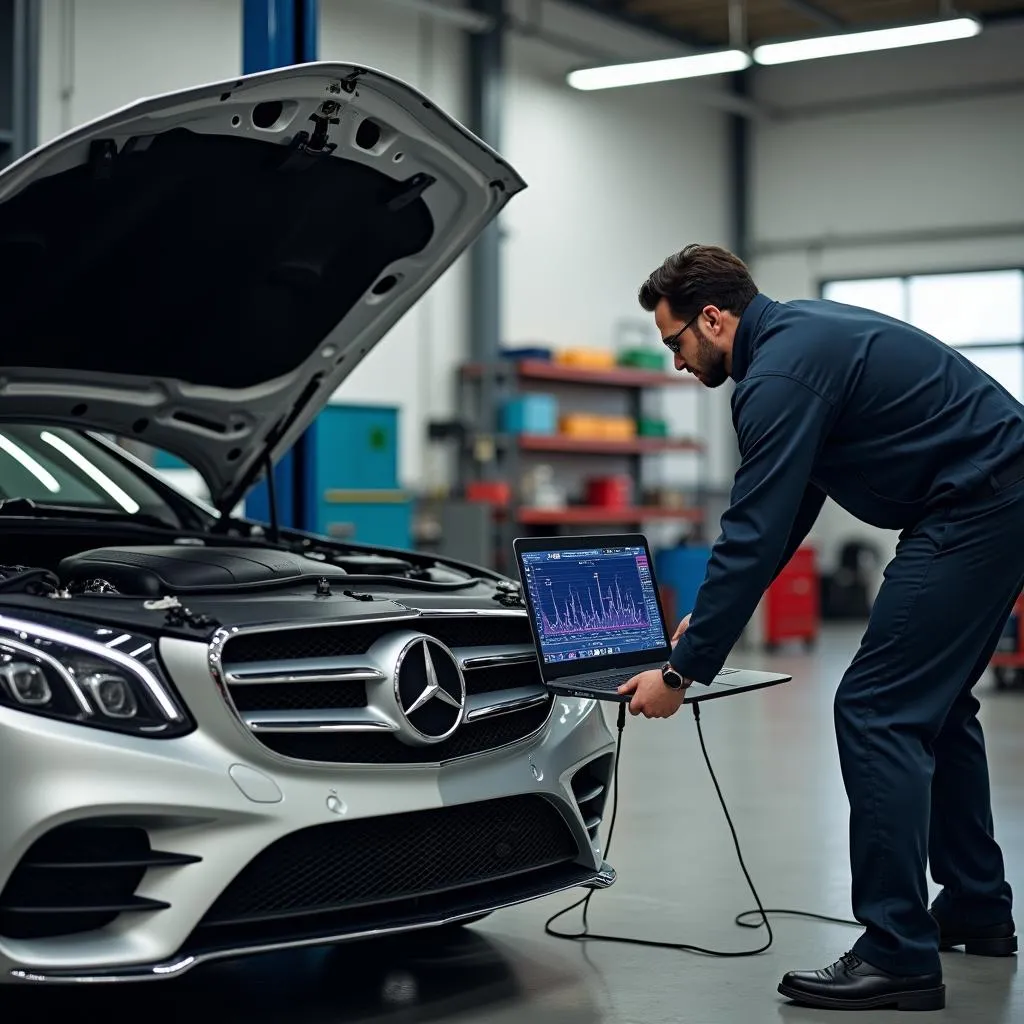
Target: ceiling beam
(1008,16)
(816,13)
(617,11)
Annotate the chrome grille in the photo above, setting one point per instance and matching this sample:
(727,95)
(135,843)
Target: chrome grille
(328,693)
(358,638)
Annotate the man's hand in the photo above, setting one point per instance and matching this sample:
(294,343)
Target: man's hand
(651,697)
(680,630)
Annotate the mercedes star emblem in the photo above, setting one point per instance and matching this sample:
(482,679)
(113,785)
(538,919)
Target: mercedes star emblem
(430,690)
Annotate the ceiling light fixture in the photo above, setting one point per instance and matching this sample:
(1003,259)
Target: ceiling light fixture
(864,42)
(697,65)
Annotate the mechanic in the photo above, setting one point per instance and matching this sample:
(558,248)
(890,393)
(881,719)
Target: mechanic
(906,434)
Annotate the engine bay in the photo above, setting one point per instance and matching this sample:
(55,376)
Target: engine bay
(157,570)
(93,564)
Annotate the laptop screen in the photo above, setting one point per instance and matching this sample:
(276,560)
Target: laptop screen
(591,602)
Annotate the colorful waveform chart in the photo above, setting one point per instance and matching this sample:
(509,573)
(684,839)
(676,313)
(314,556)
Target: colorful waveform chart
(584,600)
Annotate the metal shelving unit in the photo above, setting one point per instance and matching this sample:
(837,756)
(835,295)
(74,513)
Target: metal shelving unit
(513,452)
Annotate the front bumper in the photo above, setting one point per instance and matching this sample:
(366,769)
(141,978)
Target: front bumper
(217,799)
(179,965)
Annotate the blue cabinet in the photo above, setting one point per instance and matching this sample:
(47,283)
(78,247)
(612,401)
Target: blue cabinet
(355,446)
(351,471)
(366,517)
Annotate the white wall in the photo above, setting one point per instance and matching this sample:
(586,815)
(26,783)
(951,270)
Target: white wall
(619,179)
(414,366)
(616,183)
(822,177)
(97,55)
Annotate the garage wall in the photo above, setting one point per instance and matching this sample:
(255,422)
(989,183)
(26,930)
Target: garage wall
(639,172)
(938,185)
(414,366)
(577,152)
(97,55)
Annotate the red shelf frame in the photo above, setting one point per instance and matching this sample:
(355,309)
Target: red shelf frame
(599,446)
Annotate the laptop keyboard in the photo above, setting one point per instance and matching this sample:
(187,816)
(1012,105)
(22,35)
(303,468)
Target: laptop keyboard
(608,683)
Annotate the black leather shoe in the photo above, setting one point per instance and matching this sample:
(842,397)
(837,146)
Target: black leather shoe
(852,984)
(990,940)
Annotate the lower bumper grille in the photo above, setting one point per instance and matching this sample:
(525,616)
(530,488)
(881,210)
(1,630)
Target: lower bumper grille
(80,877)
(415,856)
(398,915)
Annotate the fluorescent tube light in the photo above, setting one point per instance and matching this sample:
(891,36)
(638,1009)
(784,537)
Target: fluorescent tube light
(864,42)
(40,472)
(645,72)
(125,500)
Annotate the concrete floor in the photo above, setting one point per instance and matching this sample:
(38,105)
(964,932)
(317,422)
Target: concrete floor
(774,754)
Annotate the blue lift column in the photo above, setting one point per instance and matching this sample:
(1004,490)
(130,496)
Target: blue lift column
(275,34)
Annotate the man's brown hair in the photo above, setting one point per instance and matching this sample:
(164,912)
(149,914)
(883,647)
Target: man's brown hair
(698,276)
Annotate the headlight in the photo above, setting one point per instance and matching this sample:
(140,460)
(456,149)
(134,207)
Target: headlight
(46,671)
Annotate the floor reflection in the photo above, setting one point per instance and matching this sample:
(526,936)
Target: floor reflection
(438,975)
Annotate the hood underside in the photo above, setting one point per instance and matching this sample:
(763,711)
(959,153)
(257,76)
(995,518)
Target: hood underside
(202,270)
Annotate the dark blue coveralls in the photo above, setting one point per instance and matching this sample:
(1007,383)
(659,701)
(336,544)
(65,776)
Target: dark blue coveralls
(906,434)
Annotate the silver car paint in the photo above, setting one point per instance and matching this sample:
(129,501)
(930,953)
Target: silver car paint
(52,772)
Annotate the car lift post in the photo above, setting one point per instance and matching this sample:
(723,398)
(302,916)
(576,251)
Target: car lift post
(279,33)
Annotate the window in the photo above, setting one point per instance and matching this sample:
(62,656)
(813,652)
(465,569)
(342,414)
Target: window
(884,295)
(979,312)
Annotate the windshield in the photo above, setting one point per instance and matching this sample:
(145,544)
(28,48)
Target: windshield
(56,466)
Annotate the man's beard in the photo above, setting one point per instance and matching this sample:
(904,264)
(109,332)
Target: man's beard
(711,363)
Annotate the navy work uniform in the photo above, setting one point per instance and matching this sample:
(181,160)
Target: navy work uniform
(906,434)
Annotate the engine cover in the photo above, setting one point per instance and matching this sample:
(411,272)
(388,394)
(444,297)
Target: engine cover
(155,571)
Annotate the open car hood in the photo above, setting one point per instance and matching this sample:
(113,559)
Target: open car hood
(201,270)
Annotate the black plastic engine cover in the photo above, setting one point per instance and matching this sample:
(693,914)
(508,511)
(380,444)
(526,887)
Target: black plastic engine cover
(155,571)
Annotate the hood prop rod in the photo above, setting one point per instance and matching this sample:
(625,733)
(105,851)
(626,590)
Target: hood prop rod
(275,532)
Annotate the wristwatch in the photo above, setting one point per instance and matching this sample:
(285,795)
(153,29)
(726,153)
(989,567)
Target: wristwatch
(672,679)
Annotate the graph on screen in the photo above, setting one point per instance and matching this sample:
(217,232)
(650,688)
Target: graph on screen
(589,603)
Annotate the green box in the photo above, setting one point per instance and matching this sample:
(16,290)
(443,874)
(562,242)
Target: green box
(647,426)
(643,359)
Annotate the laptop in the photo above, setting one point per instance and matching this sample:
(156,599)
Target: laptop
(597,619)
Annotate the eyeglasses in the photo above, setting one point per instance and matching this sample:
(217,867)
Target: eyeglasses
(672,341)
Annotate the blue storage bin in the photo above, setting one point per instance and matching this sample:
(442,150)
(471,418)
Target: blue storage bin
(683,570)
(527,352)
(530,414)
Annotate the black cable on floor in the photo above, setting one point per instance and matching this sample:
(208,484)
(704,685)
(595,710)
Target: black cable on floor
(741,919)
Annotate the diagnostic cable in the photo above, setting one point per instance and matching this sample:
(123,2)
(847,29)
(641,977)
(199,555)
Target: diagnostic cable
(761,915)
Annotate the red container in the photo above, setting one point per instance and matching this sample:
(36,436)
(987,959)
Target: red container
(610,491)
(496,492)
(792,611)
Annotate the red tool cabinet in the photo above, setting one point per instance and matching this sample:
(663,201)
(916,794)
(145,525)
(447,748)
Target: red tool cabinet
(791,608)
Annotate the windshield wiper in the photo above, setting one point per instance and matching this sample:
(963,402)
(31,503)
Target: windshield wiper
(45,510)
